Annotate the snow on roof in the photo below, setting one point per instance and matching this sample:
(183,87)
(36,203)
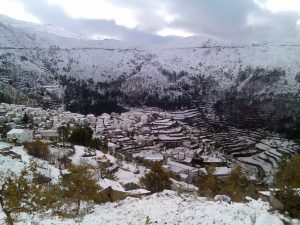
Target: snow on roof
(211,159)
(180,165)
(154,157)
(184,176)
(138,192)
(110,145)
(115,185)
(266,193)
(16,131)
(222,171)
(48,131)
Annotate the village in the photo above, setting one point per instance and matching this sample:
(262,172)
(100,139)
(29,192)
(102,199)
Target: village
(179,140)
(143,135)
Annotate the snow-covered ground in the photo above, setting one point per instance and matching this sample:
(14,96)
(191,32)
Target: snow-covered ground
(127,176)
(164,208)
(169,208)
(7,163)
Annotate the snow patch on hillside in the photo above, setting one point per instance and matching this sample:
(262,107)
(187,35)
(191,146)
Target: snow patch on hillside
(169,208)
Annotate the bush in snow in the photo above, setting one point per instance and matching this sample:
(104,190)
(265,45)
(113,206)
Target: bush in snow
(237,186)
(21,193)
(157,179)
(288,182)
(207,183)
(80,185)
(37,149)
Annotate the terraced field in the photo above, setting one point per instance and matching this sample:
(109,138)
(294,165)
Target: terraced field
(259,151)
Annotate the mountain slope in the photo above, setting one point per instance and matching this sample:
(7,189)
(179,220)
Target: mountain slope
(160,70)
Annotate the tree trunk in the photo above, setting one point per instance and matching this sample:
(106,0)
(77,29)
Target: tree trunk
(9,219)
(78,207)
(6,212)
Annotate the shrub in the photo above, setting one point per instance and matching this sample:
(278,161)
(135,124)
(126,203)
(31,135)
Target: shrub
(157,179)
(238,186)
(207,184)
(288,182)
(80,185)
(81,136)
(37,149)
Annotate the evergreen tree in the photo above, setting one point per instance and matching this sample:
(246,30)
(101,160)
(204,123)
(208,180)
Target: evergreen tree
(288,183)
(20,193)
(207,184)
(25,118)
(4,128)
(157,179)
(95,143)
(81,136)
(237,185)
(63,133)
(80,185)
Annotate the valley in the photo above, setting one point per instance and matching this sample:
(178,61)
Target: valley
(199,114)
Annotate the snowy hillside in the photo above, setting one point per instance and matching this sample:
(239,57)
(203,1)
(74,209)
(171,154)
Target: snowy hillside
(20,34)
(46,51)
(169,208)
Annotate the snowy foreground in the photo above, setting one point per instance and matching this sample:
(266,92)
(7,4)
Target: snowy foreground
(169,208)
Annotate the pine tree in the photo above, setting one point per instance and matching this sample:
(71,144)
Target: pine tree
(63,133)
(288,183)
(80,185)
(81,136)
(207,184)
(237,185)
(25,118)
(19,193)
(157,179)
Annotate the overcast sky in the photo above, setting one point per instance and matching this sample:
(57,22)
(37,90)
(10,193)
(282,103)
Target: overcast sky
(150,20)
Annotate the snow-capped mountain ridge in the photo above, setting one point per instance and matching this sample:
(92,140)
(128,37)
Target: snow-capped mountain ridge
(153,69)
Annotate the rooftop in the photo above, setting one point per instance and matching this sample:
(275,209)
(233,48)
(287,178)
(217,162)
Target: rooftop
(16,131)
(115,185)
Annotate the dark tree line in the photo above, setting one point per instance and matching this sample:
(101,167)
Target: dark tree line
(274,111)
(89,97)
(282,116)
(79,135)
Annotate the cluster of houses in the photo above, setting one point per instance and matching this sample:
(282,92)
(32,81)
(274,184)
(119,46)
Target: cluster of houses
(145,134)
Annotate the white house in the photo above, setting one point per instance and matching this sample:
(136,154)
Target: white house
(49,135)
(20,135)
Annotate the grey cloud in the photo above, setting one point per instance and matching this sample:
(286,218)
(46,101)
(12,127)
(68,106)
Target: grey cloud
(225,19)
(215,17)
(55,15)
(276,27)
